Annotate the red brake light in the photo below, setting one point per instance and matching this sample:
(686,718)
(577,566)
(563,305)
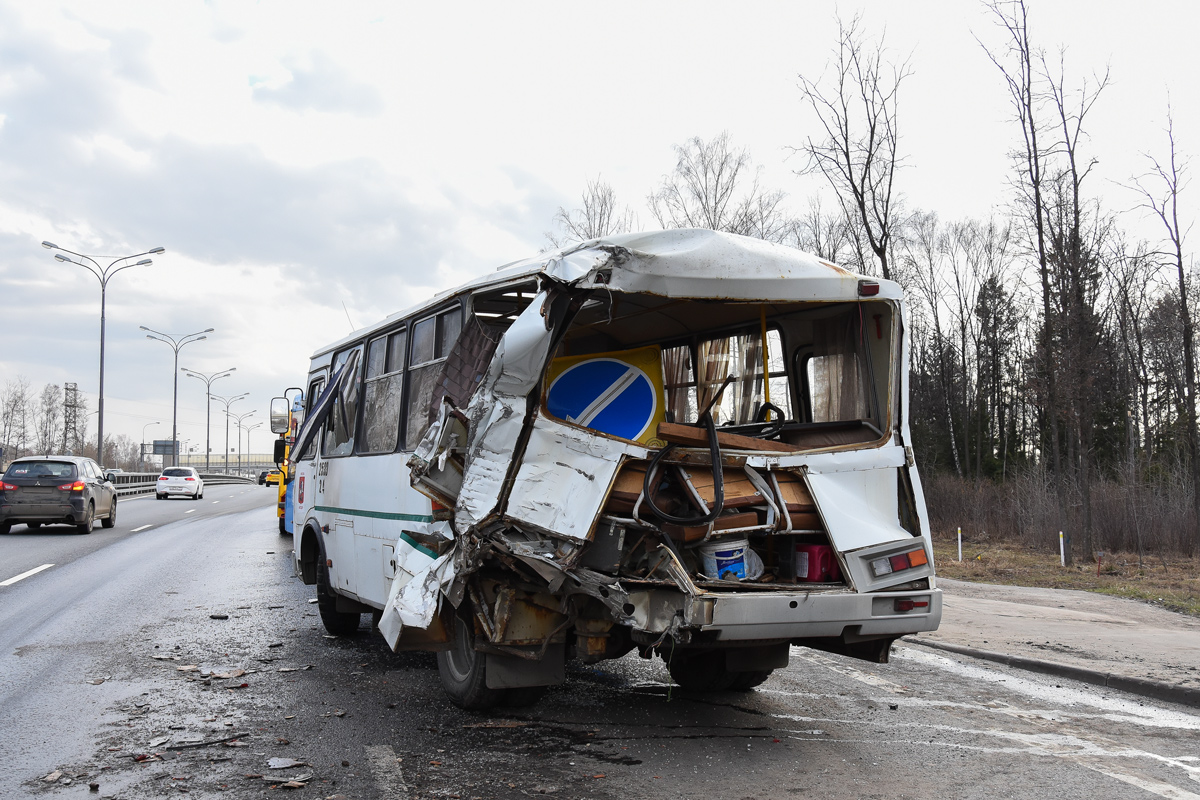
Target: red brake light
(868,288)
(189,479)
(904,605)
(7,487)
(162,477)
(900,562)
(77,486)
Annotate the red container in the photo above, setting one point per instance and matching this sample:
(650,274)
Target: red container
(815,563)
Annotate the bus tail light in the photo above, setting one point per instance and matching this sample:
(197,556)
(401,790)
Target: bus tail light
(901,561)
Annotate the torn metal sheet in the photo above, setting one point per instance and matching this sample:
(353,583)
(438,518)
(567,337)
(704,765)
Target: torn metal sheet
(413,602)
(563,479)
(496,414)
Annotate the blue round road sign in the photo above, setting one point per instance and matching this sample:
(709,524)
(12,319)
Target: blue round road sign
(606,395)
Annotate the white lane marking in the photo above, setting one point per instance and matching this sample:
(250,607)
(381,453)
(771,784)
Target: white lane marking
(190,511)
(135,530)
(388,775)
(216,501)
(25,575)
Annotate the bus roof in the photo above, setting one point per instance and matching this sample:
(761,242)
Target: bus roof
(683,263)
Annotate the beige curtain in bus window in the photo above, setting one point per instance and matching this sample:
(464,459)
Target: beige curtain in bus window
(749,386)
(677,377)
(714,368)
(835,373)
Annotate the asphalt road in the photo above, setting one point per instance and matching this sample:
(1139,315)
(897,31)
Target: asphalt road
(183,658)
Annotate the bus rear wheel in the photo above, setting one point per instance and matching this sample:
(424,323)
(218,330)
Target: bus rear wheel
(339,623)
(463,669)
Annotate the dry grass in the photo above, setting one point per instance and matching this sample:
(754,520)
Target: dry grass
(1172,582)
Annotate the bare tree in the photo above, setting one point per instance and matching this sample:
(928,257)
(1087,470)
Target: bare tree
(859,152)
(821,233)
(597,217)
(47,419)
(1017,65)
(923,254)
(15,413)
(1164,203)
(714,186)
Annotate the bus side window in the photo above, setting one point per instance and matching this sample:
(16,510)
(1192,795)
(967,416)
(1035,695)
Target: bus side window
(383,393)
(339,425)
(432,340)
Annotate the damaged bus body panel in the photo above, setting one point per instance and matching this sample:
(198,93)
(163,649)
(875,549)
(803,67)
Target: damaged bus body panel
(685,442)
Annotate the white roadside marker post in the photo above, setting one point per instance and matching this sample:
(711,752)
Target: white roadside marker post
(1062,554)
(960,545)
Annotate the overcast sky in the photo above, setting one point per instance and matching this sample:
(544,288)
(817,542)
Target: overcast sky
(294,157)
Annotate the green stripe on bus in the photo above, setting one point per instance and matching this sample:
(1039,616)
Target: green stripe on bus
(413,543)
(357,512)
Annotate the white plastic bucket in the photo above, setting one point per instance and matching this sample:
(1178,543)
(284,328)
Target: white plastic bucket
(730,558)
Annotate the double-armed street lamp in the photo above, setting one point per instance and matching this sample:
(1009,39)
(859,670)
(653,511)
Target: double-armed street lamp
(238,422)
(208,382)
(228,401)
(247,429)
(103,274)
(176,343)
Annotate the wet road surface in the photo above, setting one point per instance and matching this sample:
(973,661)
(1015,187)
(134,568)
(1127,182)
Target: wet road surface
(184,658)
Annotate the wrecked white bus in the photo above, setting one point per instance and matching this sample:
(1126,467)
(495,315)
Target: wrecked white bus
(688,443)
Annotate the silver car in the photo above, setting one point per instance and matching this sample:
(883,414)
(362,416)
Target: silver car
(179,481)
(49,490)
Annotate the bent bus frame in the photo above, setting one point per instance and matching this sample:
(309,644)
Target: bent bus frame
(689,443)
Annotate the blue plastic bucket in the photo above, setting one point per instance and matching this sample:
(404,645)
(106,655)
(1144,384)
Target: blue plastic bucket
(725,559)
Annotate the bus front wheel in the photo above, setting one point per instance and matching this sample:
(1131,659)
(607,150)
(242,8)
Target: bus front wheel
(339,623)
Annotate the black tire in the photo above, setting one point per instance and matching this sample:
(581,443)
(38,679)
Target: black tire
(745,681)
(702,671)
(282,528)
(89,520)
(5,527)
(158,496)
(339,623)
(33,526)
(463,669)
(111,519)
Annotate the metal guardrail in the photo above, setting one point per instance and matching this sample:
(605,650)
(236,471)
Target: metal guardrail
(131,483)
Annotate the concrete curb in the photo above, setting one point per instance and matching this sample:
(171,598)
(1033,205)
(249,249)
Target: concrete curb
(1184,695)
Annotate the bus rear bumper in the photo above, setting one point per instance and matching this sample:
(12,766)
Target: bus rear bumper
(736,617)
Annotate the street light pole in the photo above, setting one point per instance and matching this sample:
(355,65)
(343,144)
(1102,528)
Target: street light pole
(248,429)
(239,418)
(208,382)
(103,274)
(176,343)
(228,401)
(142,452)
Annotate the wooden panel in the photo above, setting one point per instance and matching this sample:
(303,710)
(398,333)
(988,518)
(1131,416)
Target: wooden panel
(739,491)
(691,436)
(795,493)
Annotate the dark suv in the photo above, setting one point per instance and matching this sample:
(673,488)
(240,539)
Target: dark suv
(48,490)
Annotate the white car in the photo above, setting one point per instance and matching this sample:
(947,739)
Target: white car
(179,480)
